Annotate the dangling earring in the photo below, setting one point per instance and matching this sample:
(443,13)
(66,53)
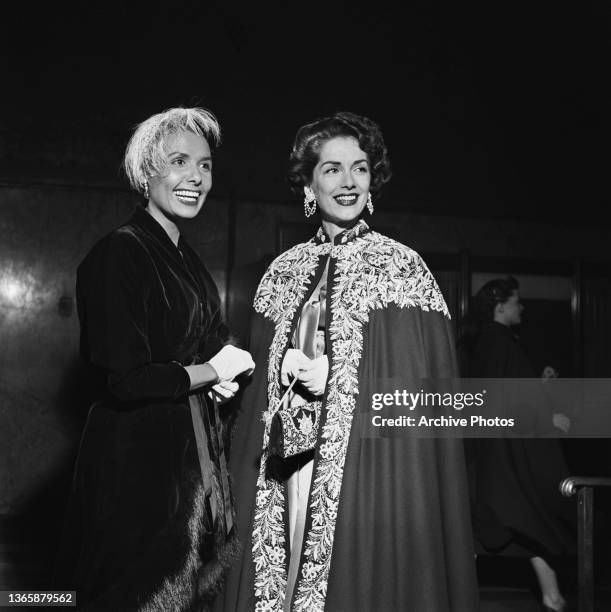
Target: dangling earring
(145,187)
(369,204)
(309,202)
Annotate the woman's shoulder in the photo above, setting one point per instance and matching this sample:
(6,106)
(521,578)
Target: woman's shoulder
(385,242)
(288,275)
(407,276)
(291,259)
(397,255)
(127,236)
(123,245)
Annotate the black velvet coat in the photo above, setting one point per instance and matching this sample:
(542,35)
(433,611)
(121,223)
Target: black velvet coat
(517,507)
(139,533)
(388,524)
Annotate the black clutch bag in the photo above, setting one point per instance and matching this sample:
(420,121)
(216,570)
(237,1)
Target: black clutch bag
(294,430)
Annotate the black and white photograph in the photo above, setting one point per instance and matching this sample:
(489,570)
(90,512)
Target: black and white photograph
(305,307)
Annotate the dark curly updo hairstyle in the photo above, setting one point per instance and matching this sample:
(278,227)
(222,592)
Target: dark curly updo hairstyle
(312,136)
(483,303)
(494,292)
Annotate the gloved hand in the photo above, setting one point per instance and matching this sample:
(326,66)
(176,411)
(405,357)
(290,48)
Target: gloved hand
(548,373)
(294,361)
(561,421)
(224,391)
(231,361)
(314,376)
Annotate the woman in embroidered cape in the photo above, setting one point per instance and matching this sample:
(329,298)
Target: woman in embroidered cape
(341,519)
(150,521)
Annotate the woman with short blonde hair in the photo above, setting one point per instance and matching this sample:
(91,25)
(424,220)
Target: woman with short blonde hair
(150,523)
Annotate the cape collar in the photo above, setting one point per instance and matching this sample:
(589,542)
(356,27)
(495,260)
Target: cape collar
(347,235)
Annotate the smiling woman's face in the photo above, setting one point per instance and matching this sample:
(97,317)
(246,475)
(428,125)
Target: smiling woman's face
(340,182)
(181,191)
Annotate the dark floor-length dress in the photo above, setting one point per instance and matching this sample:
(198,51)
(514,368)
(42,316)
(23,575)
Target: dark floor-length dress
(388,525)
(140,534)
(517,507)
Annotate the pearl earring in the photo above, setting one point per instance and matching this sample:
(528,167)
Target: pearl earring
(369,204)
(309,202)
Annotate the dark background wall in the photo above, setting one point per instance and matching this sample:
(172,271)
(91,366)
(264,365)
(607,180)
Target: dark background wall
(497,122)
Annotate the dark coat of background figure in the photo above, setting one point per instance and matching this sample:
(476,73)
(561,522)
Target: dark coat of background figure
(517,508)
(139,533)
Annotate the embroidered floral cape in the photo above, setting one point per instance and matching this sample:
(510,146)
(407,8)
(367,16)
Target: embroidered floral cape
(387,526)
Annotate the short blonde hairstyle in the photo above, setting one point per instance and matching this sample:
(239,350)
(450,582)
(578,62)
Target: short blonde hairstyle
(145,155)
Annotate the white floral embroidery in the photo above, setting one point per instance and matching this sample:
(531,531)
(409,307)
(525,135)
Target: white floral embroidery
(281,291)
(265,606)
(306,426)
(371,272)
(276,555)
(308,570)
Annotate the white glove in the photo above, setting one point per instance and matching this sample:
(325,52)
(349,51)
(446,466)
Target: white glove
(231,361)
(294,361)
(314,376)
(224,391)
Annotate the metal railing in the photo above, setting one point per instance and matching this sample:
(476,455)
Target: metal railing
(584,487)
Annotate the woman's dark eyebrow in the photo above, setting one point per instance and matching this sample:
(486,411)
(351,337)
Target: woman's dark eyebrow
(336,163)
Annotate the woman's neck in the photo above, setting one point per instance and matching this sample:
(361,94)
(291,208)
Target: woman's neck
(501,321)
(332,229)
(498,318)
(168,225)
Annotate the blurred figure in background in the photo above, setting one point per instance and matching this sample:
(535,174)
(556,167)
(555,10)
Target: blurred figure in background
(517,508)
